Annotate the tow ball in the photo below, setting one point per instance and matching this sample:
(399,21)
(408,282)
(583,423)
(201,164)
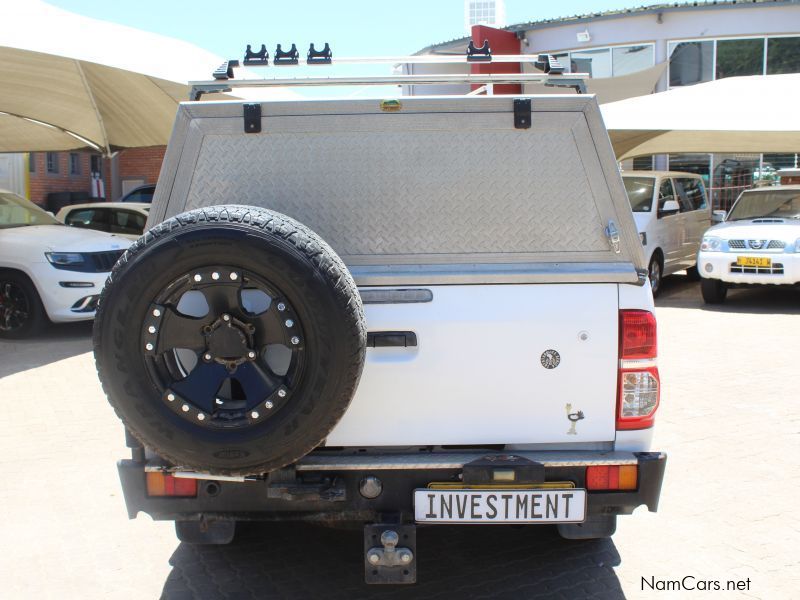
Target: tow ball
(390,553)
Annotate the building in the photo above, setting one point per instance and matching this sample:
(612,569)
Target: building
(52,179)
(655,48)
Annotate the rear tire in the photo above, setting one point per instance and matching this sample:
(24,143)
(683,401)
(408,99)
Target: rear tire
(593,528)
(714,291)
(206,533)
(655,274)
(21,311)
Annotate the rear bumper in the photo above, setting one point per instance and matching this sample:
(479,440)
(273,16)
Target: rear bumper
(321,488)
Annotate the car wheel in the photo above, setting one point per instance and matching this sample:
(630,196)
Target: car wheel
(230,340)
(655,275)
(21,310)
(713,291)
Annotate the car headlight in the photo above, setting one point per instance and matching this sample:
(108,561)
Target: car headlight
(711,244)
(64,258)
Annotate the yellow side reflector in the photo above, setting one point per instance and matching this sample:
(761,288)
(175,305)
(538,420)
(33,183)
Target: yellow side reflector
(628,477)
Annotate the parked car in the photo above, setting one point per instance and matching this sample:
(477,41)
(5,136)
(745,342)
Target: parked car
(671,211)
(502,320)
(757,243)
(48,270)
(123,218)
(143,193)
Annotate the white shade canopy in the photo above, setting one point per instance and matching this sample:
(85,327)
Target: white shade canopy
(737,114)
(114,86)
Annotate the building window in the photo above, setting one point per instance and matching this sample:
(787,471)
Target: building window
(736,58)
(597,63)
(96,163)
(630,59)
(74,163)
(643,163)
(783,55)
(31,162)
(52,162)
(690,62)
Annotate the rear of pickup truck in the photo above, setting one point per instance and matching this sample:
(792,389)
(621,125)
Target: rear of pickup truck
(510,370)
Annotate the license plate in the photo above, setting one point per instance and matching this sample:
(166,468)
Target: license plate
(500,506)
(753,261)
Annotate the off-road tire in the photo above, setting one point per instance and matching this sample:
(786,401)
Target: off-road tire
(314,280)
(36,318)
(714,291)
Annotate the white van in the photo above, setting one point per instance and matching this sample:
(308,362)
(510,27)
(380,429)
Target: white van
(671,211)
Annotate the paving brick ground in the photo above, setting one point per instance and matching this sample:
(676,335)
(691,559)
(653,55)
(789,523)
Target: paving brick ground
(729,422)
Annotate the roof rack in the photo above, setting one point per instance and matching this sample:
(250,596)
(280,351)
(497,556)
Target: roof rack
(552,74)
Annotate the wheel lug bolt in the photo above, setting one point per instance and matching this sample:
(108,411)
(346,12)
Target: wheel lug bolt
(207,356)
(185,408)
(151,329)
(156,312)
(282,393)
(268,404)
(200,417)
(171,397)
(295,340)
(148,346)
(281,306)
(226,317)
(251,355)
(254,415)
(198,277)
(215,276)
(289,322)
(234,276)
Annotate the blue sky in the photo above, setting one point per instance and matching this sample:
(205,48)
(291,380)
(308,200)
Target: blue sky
(353,28)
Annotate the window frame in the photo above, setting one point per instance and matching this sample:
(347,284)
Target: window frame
(74,164)
(57,161)
(610,54)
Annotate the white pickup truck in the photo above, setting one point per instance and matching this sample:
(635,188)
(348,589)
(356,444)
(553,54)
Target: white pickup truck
(475,256)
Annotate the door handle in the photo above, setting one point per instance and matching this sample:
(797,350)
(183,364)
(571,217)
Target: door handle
(391,339)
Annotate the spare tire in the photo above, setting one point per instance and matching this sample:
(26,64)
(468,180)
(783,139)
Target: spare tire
(230,340)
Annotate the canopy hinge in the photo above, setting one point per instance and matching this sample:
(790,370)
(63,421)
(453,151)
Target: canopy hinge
(613,236)
(252,118)
(522,113)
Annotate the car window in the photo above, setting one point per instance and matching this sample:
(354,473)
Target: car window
(89,218)
(691,193)
(640,192)
(665,192)
(127,222)
(768,202)
(143,195)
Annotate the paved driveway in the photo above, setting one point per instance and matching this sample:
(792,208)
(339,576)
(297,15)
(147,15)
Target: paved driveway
(729,422)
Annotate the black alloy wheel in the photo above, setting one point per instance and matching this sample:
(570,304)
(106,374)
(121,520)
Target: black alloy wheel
(21,311)
(224,346)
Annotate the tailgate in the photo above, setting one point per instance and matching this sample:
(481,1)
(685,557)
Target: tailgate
(477,376)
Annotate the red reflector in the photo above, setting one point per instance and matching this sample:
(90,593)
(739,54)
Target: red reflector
(612,477)
(637,334)
(164,484)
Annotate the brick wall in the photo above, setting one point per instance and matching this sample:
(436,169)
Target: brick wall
(141,163)
(43,183)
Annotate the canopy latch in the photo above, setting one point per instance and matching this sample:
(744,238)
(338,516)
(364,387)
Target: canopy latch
(613,236)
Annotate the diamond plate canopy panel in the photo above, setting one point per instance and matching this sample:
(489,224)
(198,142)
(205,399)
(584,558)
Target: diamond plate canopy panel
(447,186)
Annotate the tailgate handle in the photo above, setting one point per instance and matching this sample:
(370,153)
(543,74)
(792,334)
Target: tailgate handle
(391,339)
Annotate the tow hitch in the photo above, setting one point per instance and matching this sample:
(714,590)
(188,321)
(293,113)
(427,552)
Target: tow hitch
(390,553)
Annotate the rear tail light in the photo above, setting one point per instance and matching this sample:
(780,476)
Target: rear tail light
(612,477)
(639,385)
(163,484)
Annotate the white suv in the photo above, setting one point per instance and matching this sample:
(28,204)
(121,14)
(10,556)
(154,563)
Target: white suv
(48,270)
(757,243)
(671,213)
